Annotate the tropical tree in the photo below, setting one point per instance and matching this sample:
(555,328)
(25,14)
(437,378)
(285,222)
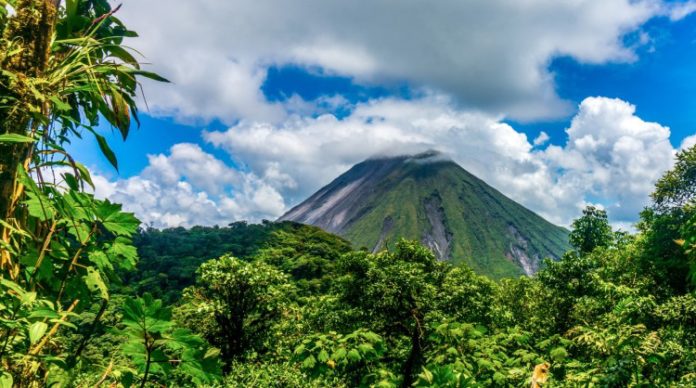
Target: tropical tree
(666,225)
(590,231)
(677,187)
(235,304)
(394,293)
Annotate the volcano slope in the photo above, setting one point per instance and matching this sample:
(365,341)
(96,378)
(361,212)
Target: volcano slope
(432,199)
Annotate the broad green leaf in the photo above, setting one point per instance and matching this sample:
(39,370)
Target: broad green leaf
(353,355)
(6,380)
(212,353)
(100,260)
(366,348)
(158,325)
(183,339)
(36,331)
(123,54)
(309,362)
(44,312)
(60,105)
(127,379)
(71,181)
(62,322)
(133,311)
(40,206)
(124,250)
(115,220)
(95,283)
(339,354)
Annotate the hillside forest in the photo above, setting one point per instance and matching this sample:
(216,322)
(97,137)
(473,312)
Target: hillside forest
(89,298)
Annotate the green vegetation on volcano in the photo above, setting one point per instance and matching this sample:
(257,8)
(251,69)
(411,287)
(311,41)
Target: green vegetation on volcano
(478,218)
(424,198)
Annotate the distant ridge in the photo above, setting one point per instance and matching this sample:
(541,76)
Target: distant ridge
(430,198)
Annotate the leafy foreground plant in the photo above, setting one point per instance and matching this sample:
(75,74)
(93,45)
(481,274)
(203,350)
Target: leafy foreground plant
(157,347)
(63,68)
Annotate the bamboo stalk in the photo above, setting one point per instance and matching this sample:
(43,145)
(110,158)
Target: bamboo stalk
(44,249)
(54,329)
(106,374)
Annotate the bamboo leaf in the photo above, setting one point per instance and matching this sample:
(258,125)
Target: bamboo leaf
(106,150)
(15,138)
(84,173)
(150,75)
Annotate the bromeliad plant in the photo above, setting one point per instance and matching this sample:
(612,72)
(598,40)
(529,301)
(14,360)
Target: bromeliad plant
(63,68)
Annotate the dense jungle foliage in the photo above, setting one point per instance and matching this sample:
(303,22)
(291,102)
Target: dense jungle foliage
(285,305)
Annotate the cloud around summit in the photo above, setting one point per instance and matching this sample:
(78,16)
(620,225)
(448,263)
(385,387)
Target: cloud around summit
(612,158)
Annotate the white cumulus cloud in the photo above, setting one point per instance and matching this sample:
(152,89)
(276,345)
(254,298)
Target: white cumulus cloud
(542,139)
(490,55)
(612,157)
(688,142)
(191,187)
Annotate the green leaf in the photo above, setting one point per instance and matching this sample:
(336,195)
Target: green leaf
(84,173)
(36,331)
(123,54)
(39,206)
(183,339)
(212,353)
(558,354)
(133,310)
(127,379)
(71,181)
(60,105)
(116,221)
(120,114)
(339,354)
(6,380)
(309,362)
(44,312)
(366,348)
(323,356)
(150,75)
(106,150)
(100,259)
(95,283)
(124,250)
(15,138)
(353,355)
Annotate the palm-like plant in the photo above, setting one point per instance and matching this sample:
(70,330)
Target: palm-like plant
(62,70)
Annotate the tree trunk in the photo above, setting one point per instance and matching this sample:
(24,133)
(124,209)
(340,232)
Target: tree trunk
(414,358)
(30,30)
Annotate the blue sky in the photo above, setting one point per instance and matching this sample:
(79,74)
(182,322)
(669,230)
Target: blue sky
(265,103)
